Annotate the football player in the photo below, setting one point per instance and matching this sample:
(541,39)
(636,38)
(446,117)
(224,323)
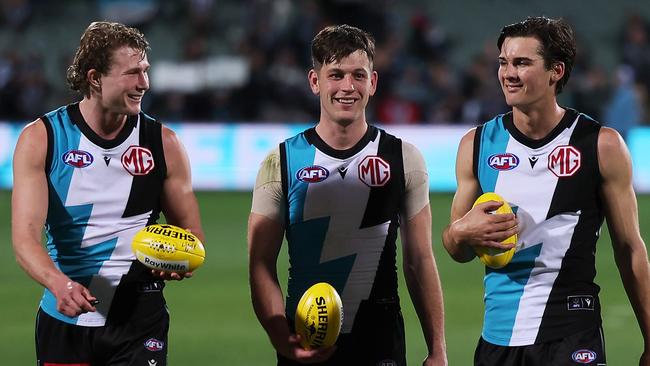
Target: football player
(339,192)
(568,173)
(94,173)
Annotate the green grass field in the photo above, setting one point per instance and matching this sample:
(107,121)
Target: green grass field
(213,321)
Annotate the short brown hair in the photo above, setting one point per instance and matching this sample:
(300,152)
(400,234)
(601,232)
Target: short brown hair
(95,50)
(335,42)
(557,40)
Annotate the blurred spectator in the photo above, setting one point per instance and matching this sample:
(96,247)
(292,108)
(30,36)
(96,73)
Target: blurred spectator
(230,61)
(636,48)
(16,14)
(625,110)
(427,40)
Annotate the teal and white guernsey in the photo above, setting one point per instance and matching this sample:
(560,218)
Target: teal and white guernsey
(342,218)
(101,193)
(548,290)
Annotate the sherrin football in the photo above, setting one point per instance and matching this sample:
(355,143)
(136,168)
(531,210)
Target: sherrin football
(494,257)
(319,316)
(168,248)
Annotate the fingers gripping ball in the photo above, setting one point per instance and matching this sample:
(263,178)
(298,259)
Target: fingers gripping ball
(494,257)
(168,248)
(319,316)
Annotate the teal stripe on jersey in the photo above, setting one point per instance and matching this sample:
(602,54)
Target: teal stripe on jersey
(494,140)
(66,225)
(66,137)
(300,154)
(501,310)
(306,245)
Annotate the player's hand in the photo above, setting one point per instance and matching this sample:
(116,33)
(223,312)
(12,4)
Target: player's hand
(479,227)
(435,360)
(73,299)
(171,276)
(292,349)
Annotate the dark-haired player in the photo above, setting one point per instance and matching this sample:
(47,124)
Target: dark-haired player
(566,174)
(94,173)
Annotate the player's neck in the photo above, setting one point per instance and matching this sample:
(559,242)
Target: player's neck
(341,137)
(537,123)
(105,124)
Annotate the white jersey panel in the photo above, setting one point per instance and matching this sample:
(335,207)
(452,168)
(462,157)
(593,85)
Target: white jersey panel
(107,188)
(346,208)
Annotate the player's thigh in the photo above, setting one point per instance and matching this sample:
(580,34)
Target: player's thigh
(61,343)
(586,347)
(143,341)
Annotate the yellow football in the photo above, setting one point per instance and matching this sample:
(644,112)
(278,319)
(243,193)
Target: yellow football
(319,316)
(168,248)
(494,257)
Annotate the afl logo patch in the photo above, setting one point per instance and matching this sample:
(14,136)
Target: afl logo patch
(584,356)
(312,174)
(138,160)
(504,161)
(78,158)
(154,345)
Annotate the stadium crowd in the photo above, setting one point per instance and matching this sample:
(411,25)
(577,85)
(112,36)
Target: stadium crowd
(220,61)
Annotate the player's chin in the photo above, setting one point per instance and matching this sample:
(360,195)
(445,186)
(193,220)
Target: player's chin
(132,107)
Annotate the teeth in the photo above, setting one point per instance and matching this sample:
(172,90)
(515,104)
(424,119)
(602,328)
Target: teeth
(345,100)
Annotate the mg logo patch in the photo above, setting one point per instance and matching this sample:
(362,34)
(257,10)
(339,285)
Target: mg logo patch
(78,158)
(374,171)
(584,356)
(138,160)
(564,161)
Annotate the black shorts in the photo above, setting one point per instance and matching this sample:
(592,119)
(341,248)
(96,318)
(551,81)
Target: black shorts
(135,334)
(377,339)
(583,348)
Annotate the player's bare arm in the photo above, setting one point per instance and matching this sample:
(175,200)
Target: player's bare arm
(623,222)
(423,283)
(265,233)
(264,243)
(419,264)
(29,210)
(179,203)
(473,226)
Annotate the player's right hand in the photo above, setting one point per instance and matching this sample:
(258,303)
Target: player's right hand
(72,299)
(479,227)
(292,349)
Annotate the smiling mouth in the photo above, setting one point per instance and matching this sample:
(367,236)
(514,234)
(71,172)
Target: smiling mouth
(136,98)
(511,87)
(346,101)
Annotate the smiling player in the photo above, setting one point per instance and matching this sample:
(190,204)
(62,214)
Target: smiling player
(340,191)
(565,173)
(94,173)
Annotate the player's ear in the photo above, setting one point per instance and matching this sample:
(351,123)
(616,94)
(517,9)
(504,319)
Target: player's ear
(312,76)
(94,79)
(557,71)
(374,77)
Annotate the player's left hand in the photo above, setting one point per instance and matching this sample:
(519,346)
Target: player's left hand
(171,276)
